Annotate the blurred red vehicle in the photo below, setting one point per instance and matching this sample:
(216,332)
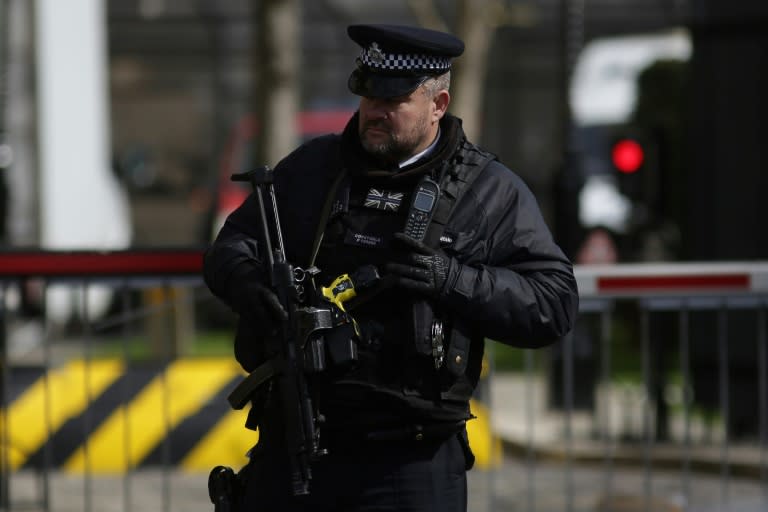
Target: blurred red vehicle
(237,155)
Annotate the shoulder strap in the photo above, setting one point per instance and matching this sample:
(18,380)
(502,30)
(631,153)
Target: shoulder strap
(454,182)
(325,213)
(331,195)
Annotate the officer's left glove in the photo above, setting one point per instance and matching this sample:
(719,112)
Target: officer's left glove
(424,271)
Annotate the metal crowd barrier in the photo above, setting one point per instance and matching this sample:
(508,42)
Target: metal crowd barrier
(97,383)
(657,401)
(667,371)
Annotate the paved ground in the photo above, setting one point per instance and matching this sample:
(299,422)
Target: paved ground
(513,487)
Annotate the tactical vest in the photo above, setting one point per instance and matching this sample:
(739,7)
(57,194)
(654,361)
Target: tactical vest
(418,379)
(445,391)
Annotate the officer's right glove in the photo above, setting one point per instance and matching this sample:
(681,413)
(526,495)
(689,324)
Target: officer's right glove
(262,304)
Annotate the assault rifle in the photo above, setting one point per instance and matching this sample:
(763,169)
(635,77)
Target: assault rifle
(302,344)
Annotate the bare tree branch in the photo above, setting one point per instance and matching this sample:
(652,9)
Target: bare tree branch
(477,23)
(427,15)
(276,68)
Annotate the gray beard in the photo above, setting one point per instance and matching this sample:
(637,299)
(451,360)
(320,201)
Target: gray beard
(396,150)
(390,151)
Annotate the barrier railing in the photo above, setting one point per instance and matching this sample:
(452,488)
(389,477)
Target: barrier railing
(93,346)
(665,374)
(657,399)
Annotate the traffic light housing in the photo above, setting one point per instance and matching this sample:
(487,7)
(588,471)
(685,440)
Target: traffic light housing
(633,156)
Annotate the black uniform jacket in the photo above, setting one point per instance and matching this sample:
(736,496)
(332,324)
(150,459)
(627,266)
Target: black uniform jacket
(513,285)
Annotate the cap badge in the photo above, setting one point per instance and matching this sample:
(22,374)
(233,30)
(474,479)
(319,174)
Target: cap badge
(375,54)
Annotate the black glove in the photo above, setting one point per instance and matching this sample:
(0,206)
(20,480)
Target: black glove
(424,271)
(262,304)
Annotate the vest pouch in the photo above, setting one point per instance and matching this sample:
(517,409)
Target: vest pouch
(419,372)
(341,345)
(423,316)
(456,385)
(457,356)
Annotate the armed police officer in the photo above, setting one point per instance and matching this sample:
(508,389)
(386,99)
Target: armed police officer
(446,247)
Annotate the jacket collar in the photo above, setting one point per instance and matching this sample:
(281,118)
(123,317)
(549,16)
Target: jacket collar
(360,162)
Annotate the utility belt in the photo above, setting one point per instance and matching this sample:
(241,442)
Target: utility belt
(340,437)
(411,438)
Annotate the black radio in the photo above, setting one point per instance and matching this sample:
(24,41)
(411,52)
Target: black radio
(422,207)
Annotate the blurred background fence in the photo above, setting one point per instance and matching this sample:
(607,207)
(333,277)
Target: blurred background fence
(665,375)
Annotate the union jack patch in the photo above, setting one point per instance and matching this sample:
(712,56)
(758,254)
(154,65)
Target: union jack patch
(383,200)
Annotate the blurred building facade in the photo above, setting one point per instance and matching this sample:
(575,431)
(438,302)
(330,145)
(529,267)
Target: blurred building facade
(182,79)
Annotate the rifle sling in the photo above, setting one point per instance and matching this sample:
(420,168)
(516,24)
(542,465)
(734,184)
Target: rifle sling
(325,213)
(240,396)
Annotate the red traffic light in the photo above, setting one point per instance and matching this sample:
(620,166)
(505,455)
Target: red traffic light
(627,155)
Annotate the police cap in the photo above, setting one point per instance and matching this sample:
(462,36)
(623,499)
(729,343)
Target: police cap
(397,59)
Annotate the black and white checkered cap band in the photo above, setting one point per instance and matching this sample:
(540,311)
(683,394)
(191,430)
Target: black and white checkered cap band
(375,58)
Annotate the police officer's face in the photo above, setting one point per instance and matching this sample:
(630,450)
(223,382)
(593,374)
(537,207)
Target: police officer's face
(396,128)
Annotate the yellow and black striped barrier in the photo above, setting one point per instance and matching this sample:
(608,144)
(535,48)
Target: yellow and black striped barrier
(100,416)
